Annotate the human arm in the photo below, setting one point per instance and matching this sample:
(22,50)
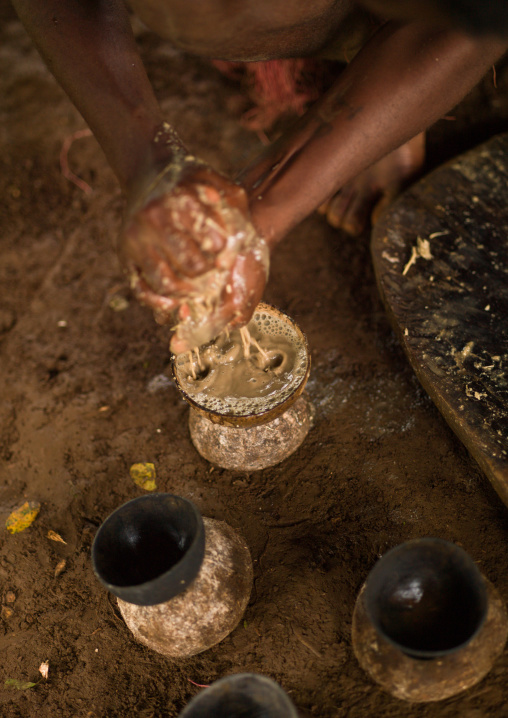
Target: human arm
(187,229)
(404,79)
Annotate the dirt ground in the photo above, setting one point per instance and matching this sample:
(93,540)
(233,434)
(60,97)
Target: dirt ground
(85,394)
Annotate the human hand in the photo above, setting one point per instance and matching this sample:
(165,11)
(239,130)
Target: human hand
(192,254)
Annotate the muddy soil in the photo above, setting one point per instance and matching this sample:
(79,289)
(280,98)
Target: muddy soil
(86,392)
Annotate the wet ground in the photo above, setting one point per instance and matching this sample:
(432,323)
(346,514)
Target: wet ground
(86,393)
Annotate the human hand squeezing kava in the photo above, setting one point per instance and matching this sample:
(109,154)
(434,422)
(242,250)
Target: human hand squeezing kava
(192,254)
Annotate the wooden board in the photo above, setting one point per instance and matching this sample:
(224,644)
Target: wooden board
(441,259)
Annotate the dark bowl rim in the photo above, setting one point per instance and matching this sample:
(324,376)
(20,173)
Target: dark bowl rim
(170,583)
(414,543)
(270,686)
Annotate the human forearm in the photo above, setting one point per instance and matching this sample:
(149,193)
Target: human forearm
(404,79)
(90,49)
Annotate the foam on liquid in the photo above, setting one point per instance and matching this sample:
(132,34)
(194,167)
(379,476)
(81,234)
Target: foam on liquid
(226,381)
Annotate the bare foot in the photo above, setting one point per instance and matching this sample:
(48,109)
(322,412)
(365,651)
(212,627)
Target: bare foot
(365,197)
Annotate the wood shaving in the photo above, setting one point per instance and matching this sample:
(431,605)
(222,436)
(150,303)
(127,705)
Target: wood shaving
(53,536)
(191,364)
(246,340)
(421,249)
(60,567)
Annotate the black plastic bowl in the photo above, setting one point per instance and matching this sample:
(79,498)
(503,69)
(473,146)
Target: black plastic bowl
(150,549)
(426,597)
(244,695)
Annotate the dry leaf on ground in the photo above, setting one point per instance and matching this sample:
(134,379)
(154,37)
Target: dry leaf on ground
(143,476)
(22,517)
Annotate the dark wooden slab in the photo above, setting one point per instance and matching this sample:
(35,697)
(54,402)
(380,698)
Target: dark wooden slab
(450,305)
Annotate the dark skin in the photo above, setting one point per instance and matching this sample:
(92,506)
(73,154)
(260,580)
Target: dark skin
(186,223)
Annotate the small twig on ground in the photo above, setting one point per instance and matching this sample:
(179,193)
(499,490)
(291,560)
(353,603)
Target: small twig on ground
(114,609)
(306,643)
(199,685)
(64,164)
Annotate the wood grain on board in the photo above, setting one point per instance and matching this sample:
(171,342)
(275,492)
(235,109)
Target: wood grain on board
(441,260)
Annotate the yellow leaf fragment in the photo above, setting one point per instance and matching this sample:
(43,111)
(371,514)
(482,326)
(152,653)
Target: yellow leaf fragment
(6,612)
(22,517)
(55,537)
(143,476)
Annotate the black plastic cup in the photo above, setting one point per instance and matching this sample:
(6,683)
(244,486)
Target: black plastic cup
(244,695)
(426,597)
(150,549)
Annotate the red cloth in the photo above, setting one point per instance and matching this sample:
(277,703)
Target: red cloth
(277,87)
